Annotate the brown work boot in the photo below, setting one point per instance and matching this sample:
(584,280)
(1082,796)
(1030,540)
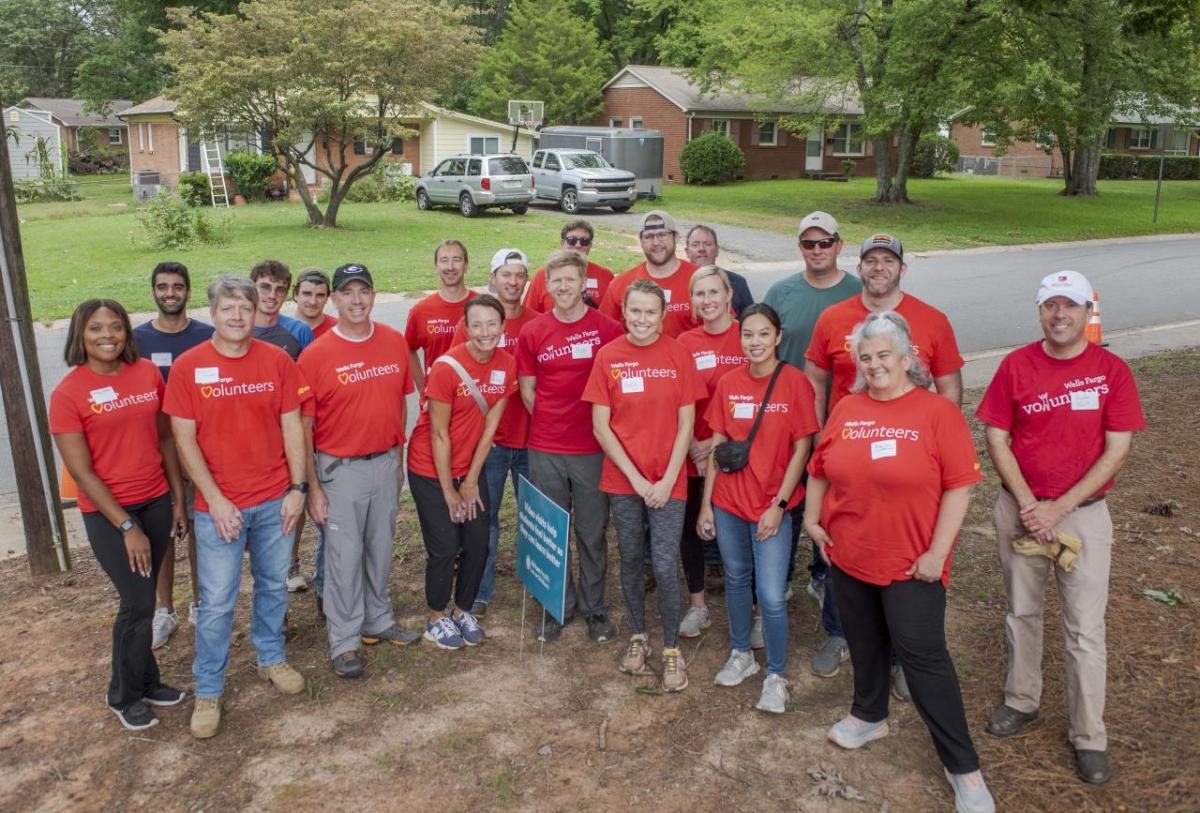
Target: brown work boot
(206,717)
(285,679)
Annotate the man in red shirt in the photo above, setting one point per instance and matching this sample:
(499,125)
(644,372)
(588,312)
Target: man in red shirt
(881,266)
(554,359)
(310,295)
(658,237)
(234,404)
(431,321)
(1060,417)
(576,235)
(359,376)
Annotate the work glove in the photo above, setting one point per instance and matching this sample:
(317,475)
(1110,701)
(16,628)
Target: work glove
(1064,550)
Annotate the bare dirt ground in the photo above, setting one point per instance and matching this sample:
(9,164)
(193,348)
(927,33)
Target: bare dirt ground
(489,729)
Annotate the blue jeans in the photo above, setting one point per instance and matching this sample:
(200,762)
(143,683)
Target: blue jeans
(501,462)
(219,565)
(318,578)
(768,561)
(819,573)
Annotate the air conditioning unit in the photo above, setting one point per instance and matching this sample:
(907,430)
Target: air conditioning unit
(146,185)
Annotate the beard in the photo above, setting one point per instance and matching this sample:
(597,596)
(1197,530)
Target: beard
(171,310)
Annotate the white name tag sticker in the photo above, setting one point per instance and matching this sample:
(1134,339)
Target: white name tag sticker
(633,385)
(667,294)
(104,395)
(706,361)
(207,375)
(161,359)
(743,411)
(593,283)
(581,351)
(1085,399)
(883,448)
(503,341)
(496,379)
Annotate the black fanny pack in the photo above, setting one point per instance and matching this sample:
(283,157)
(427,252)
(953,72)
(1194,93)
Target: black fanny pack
(733,455)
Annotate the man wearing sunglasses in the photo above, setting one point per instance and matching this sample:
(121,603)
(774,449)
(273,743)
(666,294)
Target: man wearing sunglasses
(658,237)
(577,236)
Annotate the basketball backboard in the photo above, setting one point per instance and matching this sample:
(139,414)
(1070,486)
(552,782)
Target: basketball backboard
(525,113)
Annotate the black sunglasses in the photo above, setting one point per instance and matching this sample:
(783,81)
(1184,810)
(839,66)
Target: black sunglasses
(827,242)
(578,241)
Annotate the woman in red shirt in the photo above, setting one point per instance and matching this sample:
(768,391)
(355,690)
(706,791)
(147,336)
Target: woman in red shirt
(888,489)
(464,398)
(643,391)
(749,510)
(107,421)
(715,348)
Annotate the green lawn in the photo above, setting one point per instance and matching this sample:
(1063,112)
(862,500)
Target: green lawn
(952,212)
(82,249)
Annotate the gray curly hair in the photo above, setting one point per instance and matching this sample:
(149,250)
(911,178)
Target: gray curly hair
(893,327)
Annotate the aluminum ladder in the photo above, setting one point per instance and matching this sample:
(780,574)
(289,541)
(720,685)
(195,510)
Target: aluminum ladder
(214,168)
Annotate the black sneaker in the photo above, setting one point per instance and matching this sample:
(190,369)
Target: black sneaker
(1092,766)
(164,695)
(600,629)
(549,630)
(348,665)
(136,716)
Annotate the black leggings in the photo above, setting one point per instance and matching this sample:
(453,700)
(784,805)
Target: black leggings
(908,617)
(691,546)
(134,670)
(447,542)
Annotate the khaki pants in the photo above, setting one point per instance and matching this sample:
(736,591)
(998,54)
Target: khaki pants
(1083,594)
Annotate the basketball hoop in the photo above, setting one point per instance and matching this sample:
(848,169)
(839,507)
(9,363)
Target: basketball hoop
(526,113)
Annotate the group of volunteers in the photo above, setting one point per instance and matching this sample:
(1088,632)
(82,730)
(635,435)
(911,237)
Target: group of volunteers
(663,397)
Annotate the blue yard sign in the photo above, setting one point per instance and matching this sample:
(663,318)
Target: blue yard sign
(542,548)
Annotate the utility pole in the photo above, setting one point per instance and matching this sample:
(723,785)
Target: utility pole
(21,384)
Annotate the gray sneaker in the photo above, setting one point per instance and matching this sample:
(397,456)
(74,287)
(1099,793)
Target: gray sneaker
(756,636)
(830,655)
(296,583)
(694,620)
(900,689)
(816,590)
(740,666)
(393,635)
(774,697)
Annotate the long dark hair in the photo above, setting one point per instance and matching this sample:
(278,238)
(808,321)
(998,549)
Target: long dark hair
(74,354)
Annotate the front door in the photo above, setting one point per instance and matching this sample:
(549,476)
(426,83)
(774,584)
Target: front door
(813,154)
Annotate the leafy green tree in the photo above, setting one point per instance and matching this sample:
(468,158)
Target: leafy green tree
(317,77)
(630,29)
(546,52)
(42,43)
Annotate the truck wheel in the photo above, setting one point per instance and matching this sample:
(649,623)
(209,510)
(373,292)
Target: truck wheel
(621,207)
(570,201)
(423,201)
(520,210)
(467,206)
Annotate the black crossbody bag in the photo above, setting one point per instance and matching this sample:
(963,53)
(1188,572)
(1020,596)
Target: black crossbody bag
(733,455)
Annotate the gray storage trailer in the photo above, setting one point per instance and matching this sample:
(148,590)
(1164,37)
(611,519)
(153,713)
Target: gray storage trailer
(636,150)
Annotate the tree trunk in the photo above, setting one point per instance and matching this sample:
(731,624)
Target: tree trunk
(883,168)
(1084,170)
(904,155)
(296,175)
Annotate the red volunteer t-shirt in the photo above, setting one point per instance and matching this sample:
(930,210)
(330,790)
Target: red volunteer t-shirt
(236,404)
(790,416)
(560,355)
(676,287)
(326,325)
(513,431)
(644,386)
(932,337)
(713,355)
(496,380)
(430,326)
(538,299)
(1057,412)
(358,391)
(888,463)
(118,417)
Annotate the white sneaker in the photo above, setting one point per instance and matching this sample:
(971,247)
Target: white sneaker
(816,590)
(193,613)
(740,666)
(162,626)
(756,638)
(694,620)
(296,583)
(774,697)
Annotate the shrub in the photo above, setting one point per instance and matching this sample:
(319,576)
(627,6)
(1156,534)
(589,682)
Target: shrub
(52,188)
(934,153)
(1114,167)
(848,167)
(711,159)
(251,173)
(193,189)
(97,161)
(1118,167)
(386,183)
(169,223)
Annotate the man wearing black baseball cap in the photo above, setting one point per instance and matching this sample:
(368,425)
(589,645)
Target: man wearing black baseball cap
(359,373)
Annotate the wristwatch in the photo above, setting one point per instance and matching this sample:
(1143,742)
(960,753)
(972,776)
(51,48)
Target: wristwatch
(301,487)
(781,503)
(126,526)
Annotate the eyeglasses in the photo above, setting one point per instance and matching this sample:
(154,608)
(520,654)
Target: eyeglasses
(578,241)
(827,242)
(659,235)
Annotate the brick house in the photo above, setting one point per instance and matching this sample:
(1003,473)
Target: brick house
(664,99)
(106,131)
(159,143)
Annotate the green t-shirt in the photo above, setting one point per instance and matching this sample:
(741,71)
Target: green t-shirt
(799,304)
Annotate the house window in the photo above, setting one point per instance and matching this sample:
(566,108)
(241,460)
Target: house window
(988,137)
(483,145)
(616,121)
(766,134)
(360,148)
(1142,138)
(848,139)
(635,122)
(397,146)
(721,126)
(114,135)
(1177,140)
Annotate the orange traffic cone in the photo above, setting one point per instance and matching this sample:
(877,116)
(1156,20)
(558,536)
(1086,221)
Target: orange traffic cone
(68,491)
(1094,331)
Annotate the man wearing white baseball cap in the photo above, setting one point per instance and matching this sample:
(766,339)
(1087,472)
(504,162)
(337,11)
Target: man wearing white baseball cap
(1060,417)
(508,457)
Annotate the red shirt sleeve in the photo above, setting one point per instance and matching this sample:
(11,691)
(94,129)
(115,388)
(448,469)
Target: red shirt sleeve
(956,450)
(412,327)
(1123,407)
(806,422)
(441,383)
(996,408)
(714,416)
(535,291)
(64,417)
(610,304)
(296,391)
(460,333)
(178,401)
(596,389)
(818,352)
(693,388)
(526,353)
(946,358)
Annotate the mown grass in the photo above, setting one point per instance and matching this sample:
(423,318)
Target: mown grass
(951,212)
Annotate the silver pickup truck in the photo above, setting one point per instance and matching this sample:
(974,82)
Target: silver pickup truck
(582,179)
